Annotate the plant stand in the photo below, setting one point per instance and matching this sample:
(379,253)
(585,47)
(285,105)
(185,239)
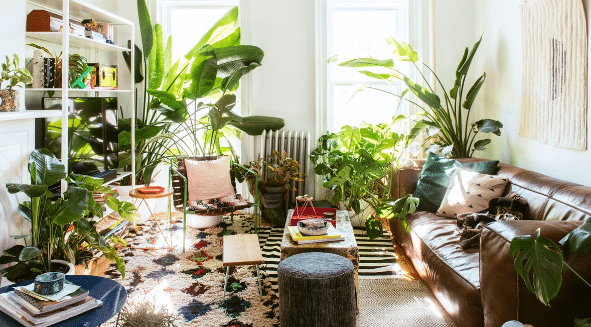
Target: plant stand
(143,197)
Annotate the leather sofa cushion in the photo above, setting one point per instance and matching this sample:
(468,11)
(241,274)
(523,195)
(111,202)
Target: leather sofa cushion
(450,273)
(442,236)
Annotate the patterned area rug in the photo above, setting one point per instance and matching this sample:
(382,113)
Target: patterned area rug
(191,284)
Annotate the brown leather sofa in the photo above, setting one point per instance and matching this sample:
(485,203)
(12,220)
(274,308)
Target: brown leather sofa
(480,287)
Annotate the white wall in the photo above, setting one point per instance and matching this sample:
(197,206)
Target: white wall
(284,85)
(501,58)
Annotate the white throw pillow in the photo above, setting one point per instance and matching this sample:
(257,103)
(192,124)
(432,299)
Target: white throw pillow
(470,192)
(209,179)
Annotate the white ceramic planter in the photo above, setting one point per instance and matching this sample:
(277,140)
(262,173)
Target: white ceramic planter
(71,270)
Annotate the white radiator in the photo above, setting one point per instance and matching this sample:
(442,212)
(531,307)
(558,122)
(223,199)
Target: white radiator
(297,146)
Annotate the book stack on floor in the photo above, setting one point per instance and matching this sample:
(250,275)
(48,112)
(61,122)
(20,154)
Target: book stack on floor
(332,235)
(34,310)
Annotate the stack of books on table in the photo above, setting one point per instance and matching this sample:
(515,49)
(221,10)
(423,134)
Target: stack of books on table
(332,235)
(35,310)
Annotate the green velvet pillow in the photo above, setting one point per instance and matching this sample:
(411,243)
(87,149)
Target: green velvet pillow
(436,175)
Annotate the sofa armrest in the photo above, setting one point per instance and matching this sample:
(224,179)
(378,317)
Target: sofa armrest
(503,293)
(405,179)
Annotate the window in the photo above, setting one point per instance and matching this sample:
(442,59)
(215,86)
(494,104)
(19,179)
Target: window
(188,20)
(354,29)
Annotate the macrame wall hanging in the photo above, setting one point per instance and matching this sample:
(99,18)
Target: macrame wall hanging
(554,105)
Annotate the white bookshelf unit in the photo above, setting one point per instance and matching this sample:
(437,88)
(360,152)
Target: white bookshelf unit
(67,43)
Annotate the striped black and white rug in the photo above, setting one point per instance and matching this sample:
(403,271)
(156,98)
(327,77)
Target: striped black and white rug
(386,298)
(377,258)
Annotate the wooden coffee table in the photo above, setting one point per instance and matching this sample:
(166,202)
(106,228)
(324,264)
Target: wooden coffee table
(347,248)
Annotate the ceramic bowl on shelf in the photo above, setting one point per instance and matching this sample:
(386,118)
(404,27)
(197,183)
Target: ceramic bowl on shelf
(313,227)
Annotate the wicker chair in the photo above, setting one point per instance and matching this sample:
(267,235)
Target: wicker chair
(180,196)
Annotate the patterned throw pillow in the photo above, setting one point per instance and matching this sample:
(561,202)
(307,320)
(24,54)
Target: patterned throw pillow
(435,177)
(470,192)
(209,179)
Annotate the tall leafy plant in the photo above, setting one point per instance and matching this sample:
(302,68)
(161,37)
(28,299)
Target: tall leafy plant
(450,115)
(59,224)
(186,105)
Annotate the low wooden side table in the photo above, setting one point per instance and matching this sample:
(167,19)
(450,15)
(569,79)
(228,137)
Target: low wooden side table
(143,197)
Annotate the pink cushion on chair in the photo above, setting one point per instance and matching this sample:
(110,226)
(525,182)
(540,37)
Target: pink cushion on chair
(209,179)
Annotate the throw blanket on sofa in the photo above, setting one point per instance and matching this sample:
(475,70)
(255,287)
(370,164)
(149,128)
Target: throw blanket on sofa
(512,207)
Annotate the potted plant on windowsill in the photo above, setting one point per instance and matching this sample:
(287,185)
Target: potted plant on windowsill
(11,77)
(276,177)
(61,225)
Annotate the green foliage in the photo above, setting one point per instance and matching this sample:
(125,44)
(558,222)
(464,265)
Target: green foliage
(578,240)
(582,322)
(355,164)
(62,227)
(185,107)
(14,75)
(539,263)
(450,113)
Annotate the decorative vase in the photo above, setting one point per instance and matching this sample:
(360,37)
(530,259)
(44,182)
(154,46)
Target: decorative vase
(9,100)
(37,68)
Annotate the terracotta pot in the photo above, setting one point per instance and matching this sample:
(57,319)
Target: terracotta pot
(9,100)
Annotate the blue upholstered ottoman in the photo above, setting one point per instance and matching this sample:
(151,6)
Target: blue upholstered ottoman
(316,289)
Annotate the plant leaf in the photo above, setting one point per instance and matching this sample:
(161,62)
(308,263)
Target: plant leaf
(466,65)
(474,92)
(489,126)
(454,90)
(73,207)
(404,51)
(367,62)
(230,18)
(15,251)
(255,125)
(579,239)
(373,227)
(32,191)
(29,253)
(137,59)
(539,263)
(49,169)
(157,60)
(582,322)
(481,144)
(431,99)
(350,136)
(147,32)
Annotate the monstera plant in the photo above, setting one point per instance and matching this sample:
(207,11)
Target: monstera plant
(185,105)
(449,114)
(539,262)
(60,224)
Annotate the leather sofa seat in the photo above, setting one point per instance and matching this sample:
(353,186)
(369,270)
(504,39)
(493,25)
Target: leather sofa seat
(479,287)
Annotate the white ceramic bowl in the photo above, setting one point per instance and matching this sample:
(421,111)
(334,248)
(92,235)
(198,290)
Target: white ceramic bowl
(313,226)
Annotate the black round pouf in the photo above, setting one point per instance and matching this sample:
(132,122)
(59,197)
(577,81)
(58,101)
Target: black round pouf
(316,289)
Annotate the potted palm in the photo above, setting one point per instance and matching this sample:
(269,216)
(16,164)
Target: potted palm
(59,223)
(276,177)
(12,75)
